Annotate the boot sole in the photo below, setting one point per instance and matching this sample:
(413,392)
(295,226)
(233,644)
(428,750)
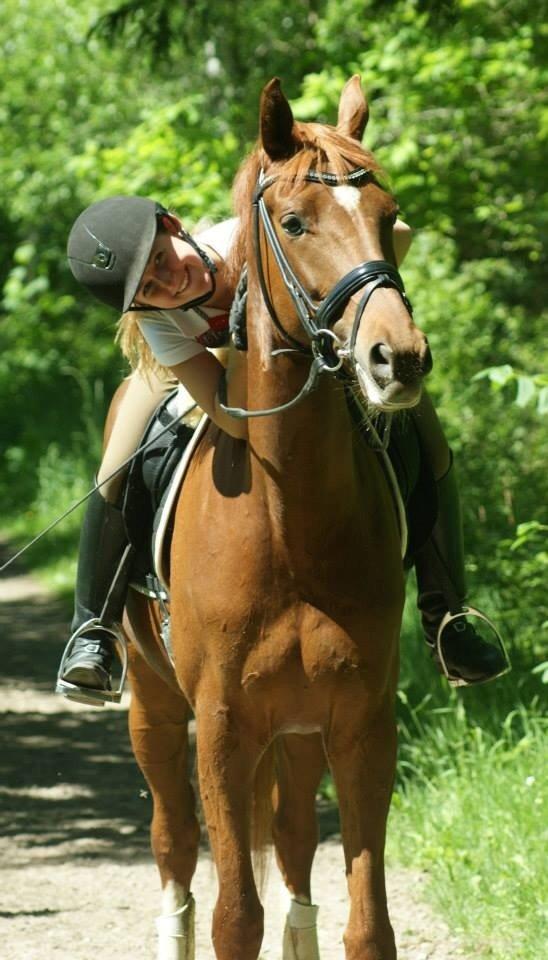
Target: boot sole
(87,695)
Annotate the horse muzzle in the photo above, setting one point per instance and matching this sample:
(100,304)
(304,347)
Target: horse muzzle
(391,379)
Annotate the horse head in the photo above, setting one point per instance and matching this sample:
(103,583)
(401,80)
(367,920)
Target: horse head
(324,248)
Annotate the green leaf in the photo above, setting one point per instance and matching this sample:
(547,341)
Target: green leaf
(542,405)
(497,375)
(526,391)
(542,670)
(24,253)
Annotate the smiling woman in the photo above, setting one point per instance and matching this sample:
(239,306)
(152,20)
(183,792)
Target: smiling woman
(176,272)
(124,249)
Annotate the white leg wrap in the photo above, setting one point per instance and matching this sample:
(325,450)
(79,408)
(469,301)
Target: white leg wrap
(300,935)
(176,933)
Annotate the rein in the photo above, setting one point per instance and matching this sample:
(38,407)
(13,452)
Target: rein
(327,352)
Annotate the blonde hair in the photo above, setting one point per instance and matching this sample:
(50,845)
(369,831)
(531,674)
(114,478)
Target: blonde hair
(138,353)
(136,349)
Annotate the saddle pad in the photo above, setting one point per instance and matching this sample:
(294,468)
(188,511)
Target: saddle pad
(162,524)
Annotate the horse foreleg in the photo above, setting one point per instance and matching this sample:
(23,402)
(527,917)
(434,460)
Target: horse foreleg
(300,764)
(158,719)
(363,764)
(226,764)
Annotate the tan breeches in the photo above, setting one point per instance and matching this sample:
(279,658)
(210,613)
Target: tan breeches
(138,403)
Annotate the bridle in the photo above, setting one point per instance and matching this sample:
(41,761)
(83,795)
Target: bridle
(327,351)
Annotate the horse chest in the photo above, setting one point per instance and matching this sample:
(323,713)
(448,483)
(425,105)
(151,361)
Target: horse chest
(304,644)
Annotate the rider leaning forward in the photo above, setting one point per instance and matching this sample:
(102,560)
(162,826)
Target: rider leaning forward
(174,294)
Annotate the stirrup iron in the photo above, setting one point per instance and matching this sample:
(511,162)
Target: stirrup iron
(495,638)
(89,695)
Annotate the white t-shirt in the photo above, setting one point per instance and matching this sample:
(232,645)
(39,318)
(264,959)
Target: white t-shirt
(178,335)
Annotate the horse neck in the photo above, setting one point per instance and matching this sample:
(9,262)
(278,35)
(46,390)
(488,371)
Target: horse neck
(304,454)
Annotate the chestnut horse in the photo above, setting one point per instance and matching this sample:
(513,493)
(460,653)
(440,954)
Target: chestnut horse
(287,580)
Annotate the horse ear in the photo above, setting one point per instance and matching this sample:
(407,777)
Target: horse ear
(353,109)
(276,122)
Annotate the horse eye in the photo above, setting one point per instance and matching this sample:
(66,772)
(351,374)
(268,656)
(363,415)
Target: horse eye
(292,225)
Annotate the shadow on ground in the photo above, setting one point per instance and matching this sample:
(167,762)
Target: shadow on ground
(69,786)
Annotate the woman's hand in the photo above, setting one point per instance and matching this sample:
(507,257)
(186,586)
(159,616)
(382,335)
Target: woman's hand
(402,236)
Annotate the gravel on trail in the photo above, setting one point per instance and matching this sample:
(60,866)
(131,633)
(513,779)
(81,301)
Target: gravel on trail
(77,878)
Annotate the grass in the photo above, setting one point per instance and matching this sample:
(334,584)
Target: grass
(469,805)
(469,811)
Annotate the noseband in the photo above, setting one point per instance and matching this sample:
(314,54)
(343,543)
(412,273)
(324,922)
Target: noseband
(327,352)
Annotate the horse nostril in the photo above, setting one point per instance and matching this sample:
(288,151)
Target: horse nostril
(381,360)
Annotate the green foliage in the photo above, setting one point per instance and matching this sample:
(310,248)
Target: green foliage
(172,154)
(458,116)
(78,123)
(62,480)
(229,49)
(523,566)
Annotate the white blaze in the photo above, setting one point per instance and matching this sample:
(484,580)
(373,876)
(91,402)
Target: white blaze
(348,197)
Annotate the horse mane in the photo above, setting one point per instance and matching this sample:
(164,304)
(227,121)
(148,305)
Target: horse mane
(317,147)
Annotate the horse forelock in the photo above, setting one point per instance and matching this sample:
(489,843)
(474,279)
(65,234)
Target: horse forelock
(317,147)
(326,150)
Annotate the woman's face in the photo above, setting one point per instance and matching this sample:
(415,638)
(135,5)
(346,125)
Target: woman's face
(175,274)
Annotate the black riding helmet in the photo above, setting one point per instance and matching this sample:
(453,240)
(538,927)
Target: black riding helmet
(109,246)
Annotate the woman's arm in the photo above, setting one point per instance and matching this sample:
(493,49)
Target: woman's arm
(402,236)
(201,376)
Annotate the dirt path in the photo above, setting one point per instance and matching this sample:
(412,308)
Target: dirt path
(76,877)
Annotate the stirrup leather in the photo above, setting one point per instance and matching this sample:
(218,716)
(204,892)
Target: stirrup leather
(456,681)
(89,695)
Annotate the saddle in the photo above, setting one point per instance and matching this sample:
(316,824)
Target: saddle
(147,492)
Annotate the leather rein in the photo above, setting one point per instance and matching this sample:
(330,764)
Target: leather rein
(327,351)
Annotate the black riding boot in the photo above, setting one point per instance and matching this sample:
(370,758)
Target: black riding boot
(460,651)
(101,587)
